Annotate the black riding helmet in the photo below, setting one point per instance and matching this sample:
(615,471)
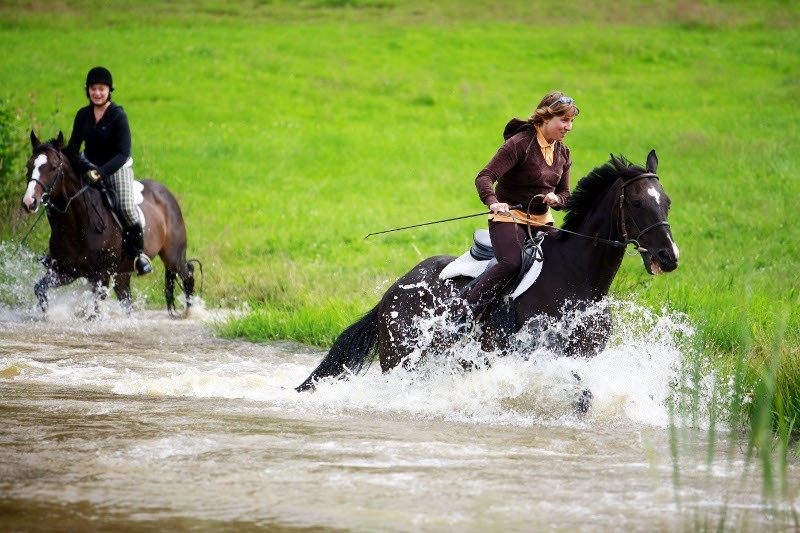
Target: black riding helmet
(100,75)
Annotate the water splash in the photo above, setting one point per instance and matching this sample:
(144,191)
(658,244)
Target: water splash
(19,271)
(631,381)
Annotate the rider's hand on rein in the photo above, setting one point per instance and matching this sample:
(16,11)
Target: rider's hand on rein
(92,176)
(550,199)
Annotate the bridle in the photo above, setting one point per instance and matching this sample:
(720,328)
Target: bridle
(623,226)
(45,199)
(47,190)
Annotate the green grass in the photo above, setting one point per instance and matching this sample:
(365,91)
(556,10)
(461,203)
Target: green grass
(290,130)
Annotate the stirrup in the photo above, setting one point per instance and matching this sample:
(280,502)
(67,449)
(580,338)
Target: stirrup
(143,265)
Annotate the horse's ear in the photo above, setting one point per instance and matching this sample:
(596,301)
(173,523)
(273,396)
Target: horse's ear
(652,162)
(34,140)
(60,141)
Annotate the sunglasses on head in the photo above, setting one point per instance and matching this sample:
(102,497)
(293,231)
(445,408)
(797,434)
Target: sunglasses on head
(563,100)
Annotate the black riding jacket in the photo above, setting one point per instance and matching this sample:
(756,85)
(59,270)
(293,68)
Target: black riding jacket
(107,143)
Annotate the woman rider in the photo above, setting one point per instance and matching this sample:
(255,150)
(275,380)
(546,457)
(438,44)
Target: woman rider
(103,127)
(531,169)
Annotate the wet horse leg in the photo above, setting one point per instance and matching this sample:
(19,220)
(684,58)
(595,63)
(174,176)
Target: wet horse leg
(100,288)
(186,274)
(122,288)
(169,291)
(50,279)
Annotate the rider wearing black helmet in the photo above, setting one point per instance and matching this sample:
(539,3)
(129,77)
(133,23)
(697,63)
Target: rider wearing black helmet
(102,126)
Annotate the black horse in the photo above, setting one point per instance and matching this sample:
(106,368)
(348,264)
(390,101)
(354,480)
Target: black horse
(616,205)
(86,241)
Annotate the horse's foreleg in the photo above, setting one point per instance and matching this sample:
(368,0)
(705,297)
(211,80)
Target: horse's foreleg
(122,288)
(99,292)
(40,290)
(49,280)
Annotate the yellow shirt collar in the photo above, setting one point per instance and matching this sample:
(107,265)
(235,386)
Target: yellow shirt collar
(548,149)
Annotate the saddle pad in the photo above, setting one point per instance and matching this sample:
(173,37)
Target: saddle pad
(530,276)
(463,265)
(466,265)
(138,198)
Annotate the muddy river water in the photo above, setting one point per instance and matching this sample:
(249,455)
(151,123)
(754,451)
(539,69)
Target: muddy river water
(148,423)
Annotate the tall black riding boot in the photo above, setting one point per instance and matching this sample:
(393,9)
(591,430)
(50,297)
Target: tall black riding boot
(135,238)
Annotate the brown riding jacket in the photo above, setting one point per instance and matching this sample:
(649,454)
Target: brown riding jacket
(521,172)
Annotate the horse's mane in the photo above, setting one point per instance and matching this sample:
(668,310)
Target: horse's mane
(590,187)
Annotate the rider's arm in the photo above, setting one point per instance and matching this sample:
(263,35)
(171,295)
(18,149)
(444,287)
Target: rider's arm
(122,138)
(503,161)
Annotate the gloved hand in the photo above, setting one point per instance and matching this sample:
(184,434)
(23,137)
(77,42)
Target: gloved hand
(92,176)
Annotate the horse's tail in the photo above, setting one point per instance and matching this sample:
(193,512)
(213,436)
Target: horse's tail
(190,265)
(350,352)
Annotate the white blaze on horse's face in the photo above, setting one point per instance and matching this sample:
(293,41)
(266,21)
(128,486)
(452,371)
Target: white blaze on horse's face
(674,248)
(655,194)
(38,163)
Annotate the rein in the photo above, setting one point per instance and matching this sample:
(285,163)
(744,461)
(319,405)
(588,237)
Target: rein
(611,242)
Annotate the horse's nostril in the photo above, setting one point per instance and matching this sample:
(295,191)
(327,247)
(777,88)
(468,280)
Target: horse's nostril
(667,260)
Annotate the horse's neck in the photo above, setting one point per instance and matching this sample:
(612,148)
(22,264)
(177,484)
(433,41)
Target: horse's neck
(69,206)
(595,261)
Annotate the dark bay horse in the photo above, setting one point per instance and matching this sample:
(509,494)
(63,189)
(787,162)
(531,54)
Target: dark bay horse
(616,205)
(86,241)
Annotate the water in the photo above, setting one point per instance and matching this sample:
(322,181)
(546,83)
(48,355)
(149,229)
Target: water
(144,422)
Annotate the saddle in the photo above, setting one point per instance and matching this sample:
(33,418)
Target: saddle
(480,258)
(482,249)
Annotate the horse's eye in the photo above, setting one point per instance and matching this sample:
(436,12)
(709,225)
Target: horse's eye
(637,203)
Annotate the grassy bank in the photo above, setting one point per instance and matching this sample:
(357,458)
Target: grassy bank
(290,130)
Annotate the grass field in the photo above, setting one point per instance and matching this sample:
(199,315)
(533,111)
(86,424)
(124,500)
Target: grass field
(290,130)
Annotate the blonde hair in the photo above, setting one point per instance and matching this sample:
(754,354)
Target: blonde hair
(550,107)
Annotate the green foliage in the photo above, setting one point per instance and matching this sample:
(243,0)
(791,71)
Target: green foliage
(12,165)
(313,324)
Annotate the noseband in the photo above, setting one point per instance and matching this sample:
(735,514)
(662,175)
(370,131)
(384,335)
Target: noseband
(623,227)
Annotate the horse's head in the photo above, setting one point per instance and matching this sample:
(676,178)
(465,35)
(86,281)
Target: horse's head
(644,207)
(45,173)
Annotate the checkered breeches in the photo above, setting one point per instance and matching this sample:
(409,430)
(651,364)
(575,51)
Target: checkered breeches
(121,182)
